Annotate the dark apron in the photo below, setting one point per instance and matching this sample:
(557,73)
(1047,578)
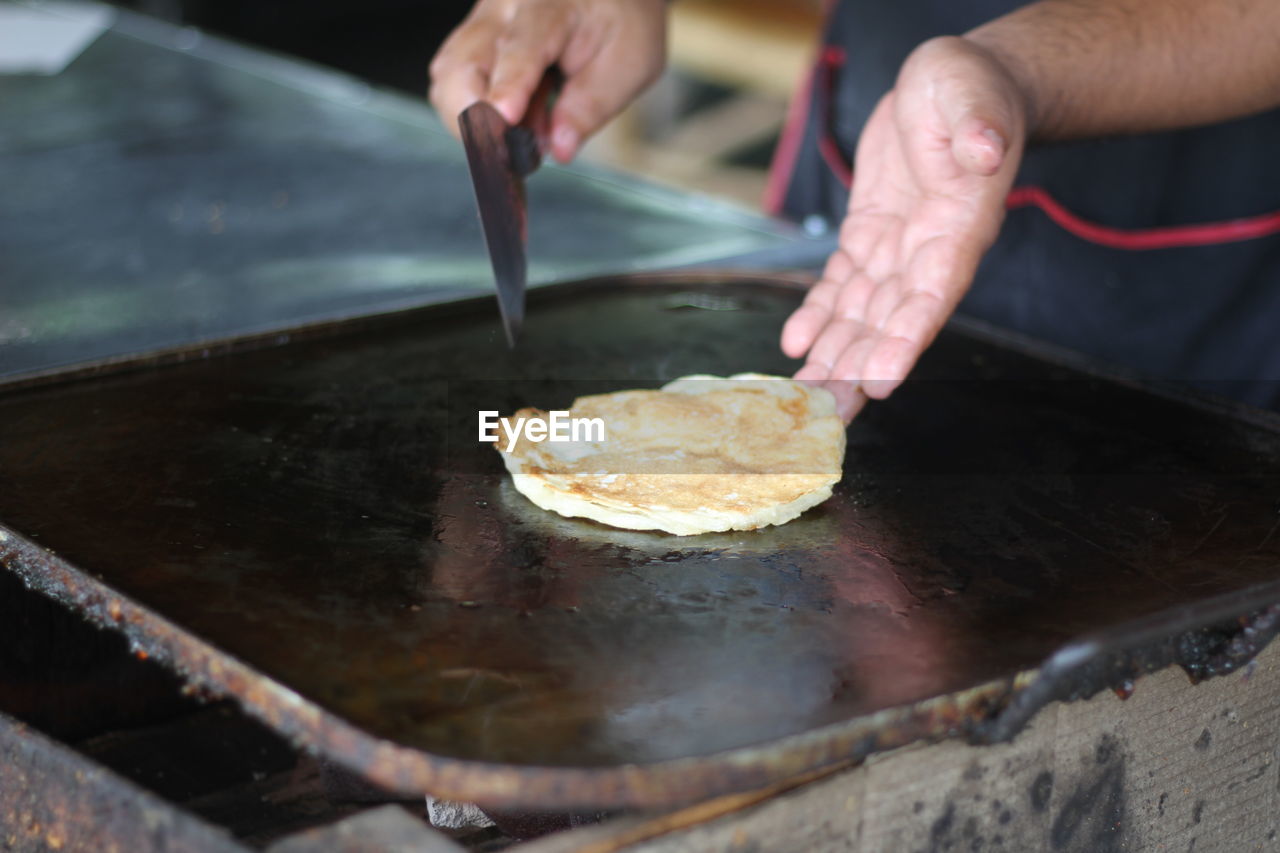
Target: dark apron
(1158,252)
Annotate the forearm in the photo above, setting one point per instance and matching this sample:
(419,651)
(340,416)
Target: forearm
(1103,67)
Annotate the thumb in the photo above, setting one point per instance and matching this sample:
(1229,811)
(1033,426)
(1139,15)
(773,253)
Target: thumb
(588,100)
(979,145)
(979,105)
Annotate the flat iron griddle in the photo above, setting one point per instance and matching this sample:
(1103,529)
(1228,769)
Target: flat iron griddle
(311,528)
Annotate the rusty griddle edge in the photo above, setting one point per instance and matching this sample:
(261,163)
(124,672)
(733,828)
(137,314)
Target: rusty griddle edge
(1214,637)
(409,771)
(990,712)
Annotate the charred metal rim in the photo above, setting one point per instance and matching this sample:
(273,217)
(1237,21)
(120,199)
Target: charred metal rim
(989,712)
(409,771)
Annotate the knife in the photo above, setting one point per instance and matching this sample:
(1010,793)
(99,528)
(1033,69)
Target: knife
(500,156)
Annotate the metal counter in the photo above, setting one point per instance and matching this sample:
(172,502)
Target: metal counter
(168,187)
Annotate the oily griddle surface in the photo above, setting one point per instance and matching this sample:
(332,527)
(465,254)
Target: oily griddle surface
(321,511)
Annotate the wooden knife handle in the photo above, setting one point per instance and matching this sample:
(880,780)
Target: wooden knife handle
(537,117)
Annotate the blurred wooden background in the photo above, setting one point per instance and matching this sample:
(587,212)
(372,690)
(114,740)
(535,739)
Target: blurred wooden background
(711,123)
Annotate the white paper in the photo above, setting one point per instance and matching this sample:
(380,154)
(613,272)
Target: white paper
(44,38)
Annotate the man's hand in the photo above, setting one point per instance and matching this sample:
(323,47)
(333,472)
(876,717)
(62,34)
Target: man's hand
(933,166)
(608,50)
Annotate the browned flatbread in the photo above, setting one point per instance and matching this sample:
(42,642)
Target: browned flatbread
(702,454)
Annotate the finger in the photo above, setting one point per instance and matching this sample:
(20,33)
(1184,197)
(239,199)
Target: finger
(802,329)
(849,398)
(460,70)
(980,119)
(881,257)
(804,324)
(883,300)
(978,146)
(532,42)
(592,96)
(842,378)
(839,266)
(836,337)
(908,332)
(851,365)
(913,324)
(812,373)
(855,297)
(858,236)
(457,91)
(888,365)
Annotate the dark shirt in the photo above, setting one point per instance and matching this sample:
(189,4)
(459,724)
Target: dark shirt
(1207,313)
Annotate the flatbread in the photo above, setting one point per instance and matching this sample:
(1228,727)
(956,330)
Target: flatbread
(703,454)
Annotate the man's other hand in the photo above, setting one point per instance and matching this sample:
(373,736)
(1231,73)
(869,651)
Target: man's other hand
(933,166)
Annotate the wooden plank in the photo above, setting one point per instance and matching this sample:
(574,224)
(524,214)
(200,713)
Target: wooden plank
(1177,766)
(52,798)
(689,153)
(711,38)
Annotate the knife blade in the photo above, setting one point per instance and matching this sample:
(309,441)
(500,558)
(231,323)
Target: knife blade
(499,157)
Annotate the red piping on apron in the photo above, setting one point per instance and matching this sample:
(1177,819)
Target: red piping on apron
(1133,239)
(783,165)
(1137,239)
